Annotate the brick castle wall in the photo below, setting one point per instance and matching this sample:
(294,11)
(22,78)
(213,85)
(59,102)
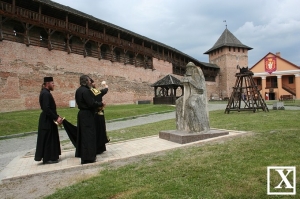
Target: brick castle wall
(23,68)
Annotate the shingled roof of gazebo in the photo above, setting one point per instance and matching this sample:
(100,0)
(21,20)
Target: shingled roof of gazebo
(167,81)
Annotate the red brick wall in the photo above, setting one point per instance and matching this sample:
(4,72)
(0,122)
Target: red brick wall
(23,68)
(228,61)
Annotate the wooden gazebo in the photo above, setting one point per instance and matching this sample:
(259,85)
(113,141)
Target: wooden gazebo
(165,90)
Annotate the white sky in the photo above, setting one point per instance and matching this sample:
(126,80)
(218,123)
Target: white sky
(193,26)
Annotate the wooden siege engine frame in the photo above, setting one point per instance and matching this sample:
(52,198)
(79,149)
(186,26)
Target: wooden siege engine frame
(245,95)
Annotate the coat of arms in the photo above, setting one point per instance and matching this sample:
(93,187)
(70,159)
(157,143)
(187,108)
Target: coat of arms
(270,64)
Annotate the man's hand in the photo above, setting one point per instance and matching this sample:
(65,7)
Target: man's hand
(60,120)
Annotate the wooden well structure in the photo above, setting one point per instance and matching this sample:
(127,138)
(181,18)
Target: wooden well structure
(165,90)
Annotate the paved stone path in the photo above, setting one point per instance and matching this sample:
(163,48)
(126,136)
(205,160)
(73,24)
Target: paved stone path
(14,163)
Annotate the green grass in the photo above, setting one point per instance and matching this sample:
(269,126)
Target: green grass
(286,103)
(27,121)
(234,168)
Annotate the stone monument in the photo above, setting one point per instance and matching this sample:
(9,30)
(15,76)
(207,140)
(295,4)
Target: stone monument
(192,117)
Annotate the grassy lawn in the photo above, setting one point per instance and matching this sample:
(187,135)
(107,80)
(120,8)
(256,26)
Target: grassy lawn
(27,121)
(286,103)
(236,168)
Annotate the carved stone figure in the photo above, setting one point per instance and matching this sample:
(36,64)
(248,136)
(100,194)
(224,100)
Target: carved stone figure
(191,109)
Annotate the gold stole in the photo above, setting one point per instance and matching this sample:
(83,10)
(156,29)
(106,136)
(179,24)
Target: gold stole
(95,91)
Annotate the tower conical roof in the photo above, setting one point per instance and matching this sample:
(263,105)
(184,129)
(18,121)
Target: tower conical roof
(227,39)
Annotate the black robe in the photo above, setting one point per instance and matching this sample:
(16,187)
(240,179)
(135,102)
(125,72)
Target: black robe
(86,131)
(71,131)
(48,144)
(101,133)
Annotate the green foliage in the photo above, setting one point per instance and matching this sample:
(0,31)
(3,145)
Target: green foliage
(233,168)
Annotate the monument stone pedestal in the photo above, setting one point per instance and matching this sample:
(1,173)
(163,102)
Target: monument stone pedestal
(183,137)
(192,118)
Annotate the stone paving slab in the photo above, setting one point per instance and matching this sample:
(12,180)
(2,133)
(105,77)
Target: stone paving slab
(25,165)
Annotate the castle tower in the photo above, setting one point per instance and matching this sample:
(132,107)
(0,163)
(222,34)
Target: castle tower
(227,53)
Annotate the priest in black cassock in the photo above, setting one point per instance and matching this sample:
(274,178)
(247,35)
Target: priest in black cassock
(48,144)
(101,134)
(86,146)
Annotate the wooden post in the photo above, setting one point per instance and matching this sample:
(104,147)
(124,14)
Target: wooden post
(87,28)
(125,61)
(14,7)
(69,50)
(26,36)
(50,47)
(67,22)
(84,49)
(99,51)
(40,13)
(1,34)
(135,62)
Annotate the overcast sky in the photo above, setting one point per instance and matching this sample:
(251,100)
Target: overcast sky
(194,26)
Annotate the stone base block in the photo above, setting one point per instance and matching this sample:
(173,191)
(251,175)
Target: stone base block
(183,137)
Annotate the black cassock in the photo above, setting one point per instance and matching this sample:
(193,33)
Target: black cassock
(101,134)
(71,131)
(86,145)
(48,144)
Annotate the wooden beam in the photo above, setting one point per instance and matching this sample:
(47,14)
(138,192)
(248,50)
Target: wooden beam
(68,43)
(14,7)
(125,52)
(99,50)
(50,47)
(40,13)
(84,43)
(87,28)
(1,33)
(27,28)
(135,56)
(104,33)
(112,48)
(67,22)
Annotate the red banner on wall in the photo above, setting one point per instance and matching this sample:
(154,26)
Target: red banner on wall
(270,64)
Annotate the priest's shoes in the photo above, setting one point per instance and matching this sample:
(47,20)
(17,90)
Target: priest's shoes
(51,162)
(88,161)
